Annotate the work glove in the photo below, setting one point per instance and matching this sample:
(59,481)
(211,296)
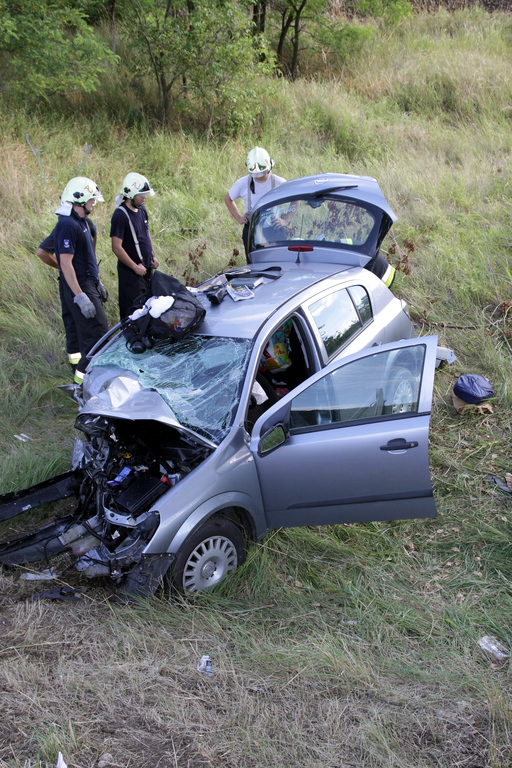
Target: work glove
(102,290)
(87,308)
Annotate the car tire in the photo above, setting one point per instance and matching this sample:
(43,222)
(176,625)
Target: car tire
(206,557)
(400,395)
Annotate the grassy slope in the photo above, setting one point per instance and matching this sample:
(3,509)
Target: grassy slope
(333,647)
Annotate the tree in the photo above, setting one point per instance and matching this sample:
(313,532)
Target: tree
(259,12)
(201,51)
(294,16)
(47,49)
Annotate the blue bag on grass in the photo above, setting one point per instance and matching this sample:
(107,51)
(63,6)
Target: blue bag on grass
(473,388)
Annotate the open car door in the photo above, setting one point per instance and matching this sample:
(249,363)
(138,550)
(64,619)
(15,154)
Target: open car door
(350,444)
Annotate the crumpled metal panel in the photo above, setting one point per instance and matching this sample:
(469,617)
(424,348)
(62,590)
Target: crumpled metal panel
(199,378)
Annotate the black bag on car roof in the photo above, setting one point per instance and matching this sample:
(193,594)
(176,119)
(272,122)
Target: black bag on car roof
(184,316)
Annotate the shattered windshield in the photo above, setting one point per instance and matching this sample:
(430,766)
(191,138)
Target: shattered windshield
(317,219)
(200,378)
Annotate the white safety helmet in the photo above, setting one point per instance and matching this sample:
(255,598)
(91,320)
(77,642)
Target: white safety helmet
(258,162)
(136,184)
(80,190)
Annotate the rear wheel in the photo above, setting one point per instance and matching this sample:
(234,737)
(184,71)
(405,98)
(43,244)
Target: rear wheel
(206,558)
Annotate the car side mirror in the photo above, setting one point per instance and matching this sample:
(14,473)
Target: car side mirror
(272,439)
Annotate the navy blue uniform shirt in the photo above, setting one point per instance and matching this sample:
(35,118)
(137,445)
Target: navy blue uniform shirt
(48,243)
(72,235)
(120,227)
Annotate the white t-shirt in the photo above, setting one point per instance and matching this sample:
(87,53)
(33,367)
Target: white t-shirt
(241,187)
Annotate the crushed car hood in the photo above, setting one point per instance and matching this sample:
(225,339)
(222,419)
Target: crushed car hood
(117,401)
(192,385)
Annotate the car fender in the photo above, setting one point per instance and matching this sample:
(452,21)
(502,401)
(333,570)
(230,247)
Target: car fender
(223,501)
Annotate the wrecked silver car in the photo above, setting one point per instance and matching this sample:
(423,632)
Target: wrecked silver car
(306,402)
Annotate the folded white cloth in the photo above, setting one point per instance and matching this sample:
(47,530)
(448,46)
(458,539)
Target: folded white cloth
(64,209)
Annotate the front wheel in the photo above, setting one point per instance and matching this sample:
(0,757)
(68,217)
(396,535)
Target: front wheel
(206,558)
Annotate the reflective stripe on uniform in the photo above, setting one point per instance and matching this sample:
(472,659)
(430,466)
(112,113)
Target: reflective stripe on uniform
(74,358)
(78,377)
(388,276)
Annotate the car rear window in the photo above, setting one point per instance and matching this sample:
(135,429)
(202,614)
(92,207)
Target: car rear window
(316,220)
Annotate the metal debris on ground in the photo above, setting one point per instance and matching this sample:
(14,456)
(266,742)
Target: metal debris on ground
(506,486)
(59,593)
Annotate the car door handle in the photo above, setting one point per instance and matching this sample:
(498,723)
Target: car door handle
(399,445)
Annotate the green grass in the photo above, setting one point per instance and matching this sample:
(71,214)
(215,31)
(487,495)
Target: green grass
(332,647)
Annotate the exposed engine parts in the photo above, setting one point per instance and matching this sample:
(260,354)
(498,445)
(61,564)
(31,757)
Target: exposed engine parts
(118,474)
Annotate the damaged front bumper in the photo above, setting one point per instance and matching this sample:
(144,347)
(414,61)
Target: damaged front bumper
(116,481)
(96,555)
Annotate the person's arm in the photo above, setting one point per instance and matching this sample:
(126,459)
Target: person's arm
(233,209)
(81,299)
(284,220)
(68,270)
(117,247)
(47,258)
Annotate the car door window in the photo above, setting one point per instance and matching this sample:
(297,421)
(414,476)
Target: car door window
(336,318)
(385,384)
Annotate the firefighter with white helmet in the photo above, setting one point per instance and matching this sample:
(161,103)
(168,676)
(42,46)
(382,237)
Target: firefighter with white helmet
(131,241)
(81,289)
(46,252)
(250,188)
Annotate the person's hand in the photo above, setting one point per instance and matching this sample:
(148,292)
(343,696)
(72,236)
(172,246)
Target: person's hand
(87,308)
(102,290)
(155,262)
(244,219)
(139,269)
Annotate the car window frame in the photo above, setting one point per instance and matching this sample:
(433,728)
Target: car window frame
(326,358)
(313,353)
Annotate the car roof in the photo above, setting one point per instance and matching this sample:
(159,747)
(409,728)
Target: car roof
(341,185)
(242,319)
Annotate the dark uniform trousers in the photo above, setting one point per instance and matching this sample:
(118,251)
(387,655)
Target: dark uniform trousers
(72,343)
(131,287)
(89,330)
